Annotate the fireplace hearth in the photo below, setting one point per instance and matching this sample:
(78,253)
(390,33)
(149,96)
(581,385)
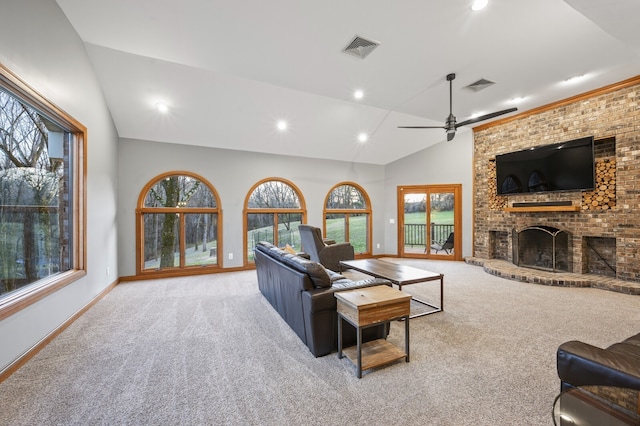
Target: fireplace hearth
(542,247)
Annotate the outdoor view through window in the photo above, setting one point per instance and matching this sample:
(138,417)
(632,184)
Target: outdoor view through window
(347,217)
(180,223)
(274,211)
(34,196)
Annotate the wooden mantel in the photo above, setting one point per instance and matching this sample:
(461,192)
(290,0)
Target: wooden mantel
(531,209)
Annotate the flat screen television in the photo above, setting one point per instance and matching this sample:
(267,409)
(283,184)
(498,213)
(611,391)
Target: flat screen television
(566,166)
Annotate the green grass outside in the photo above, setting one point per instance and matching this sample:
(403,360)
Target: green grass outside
(193,257)
(335,231)
(437,217)
(357,231)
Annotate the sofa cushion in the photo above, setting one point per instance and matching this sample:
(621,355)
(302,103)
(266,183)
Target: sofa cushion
(334,276)
(318,273)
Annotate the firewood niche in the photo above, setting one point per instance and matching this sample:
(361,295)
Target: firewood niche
(604,196)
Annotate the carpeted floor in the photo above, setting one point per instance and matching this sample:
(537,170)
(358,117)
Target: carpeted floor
(209,350)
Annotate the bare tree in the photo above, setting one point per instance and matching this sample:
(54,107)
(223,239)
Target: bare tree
(346,197)
(172,191)
(30,184)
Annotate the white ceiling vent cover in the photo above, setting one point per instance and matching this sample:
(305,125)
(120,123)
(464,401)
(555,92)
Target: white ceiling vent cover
(479,85)
(360,47)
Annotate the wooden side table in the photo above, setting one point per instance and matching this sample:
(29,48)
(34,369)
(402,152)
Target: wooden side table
(367,307)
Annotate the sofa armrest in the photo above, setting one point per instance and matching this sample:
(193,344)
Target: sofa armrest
(320,299)
(330,256)
(321,318)
(582,364)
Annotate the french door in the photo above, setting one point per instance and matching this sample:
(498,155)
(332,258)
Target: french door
(429,220)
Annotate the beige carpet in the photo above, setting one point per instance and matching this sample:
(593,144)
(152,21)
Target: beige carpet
(209,350)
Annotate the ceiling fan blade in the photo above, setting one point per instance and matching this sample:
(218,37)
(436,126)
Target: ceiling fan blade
(486,117)
(421,127)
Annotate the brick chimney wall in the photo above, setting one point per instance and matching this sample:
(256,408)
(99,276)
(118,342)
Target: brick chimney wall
(612,116)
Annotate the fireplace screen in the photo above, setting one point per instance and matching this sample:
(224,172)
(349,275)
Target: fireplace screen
(542,247)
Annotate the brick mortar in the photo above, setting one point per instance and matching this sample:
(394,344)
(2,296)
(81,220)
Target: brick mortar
(615,114)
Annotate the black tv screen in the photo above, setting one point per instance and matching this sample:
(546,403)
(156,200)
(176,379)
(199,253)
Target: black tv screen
(566,166)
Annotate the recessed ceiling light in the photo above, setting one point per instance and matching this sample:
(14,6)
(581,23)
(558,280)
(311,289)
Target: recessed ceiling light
(282,125)
(517,100)
(358,94)
(162,107)
(476,114)
(363,137)
(479,4)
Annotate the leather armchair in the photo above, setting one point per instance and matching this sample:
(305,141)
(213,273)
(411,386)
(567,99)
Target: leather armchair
(328,255)
(582,364)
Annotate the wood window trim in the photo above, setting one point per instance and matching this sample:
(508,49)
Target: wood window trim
(31,294)
(140,210)
(455,188)
(368,211)
(246,211)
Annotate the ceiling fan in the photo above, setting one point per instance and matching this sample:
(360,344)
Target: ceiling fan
(450,124)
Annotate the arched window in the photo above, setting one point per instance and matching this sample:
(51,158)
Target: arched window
(179,225)
(273,210)
(347,217)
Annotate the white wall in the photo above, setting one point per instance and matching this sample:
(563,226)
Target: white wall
(39,45)
(233,173)
(443,163)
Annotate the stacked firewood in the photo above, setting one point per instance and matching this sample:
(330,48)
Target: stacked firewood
(603,197)
(496,202)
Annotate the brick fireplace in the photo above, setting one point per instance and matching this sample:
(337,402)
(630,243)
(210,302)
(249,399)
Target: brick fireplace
(542,247)
(600,228)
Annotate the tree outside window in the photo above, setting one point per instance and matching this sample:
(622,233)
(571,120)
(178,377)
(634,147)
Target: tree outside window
(348,217)
(180,226)
(33,213)
(42,196)
(274,209)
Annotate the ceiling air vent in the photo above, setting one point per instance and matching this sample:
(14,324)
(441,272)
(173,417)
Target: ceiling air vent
(360,47)
(479,85)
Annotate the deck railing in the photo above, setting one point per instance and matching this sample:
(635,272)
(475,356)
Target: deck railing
(415,234)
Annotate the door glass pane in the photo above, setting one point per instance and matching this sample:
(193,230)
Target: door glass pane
(288,232)
(201,240)
(415,222)
(161,240)
(441,226)
(336,227)
(358,226)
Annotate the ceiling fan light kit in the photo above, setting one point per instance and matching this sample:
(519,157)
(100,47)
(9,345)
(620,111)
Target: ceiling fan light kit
(450,125)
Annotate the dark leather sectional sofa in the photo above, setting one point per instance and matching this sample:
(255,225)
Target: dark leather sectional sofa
(302,292)
(582,364)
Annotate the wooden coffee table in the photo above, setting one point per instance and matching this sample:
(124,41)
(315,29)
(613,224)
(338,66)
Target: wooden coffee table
(368,307)
(399,275)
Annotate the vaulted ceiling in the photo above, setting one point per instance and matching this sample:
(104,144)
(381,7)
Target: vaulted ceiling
(230,70)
